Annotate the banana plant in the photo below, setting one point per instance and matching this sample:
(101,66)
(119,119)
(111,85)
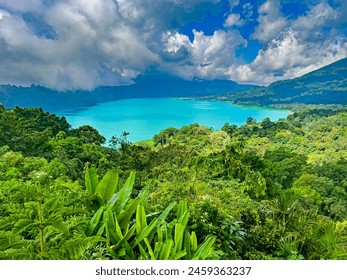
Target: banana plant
(112,219)
(173,241)
(103,190)
(128,237)
(161,240)
(122,221)
(116,201)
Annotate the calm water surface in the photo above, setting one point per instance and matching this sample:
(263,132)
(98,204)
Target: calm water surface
(143,118)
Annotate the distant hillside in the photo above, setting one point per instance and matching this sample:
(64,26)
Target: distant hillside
(327,85)
(143,86)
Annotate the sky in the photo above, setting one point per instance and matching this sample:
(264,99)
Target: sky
(83,44)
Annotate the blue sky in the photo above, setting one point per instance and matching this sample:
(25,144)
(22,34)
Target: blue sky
(83,44)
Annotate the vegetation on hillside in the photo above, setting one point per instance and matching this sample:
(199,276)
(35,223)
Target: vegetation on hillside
(144,86)
(265,190)
(327,85)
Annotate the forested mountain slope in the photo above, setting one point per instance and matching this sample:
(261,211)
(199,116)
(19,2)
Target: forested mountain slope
(265,190)
(144,86)
(327,85)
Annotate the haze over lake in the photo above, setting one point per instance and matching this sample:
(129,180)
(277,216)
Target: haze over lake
(144,117)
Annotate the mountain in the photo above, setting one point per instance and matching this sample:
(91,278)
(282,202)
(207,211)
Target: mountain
(327,85)
(144,86)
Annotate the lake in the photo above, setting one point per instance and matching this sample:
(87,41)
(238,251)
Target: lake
(144,117)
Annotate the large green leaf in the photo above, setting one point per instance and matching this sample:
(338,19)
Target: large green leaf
(193,241)
(145,232)
(108,184)
(160,235)
(182,208)
(101,230)
(110,223)
(179,255)
(144,255)
(166,212)
(187,245)
(119,231)
(183,220)
(162,217)
(150,250)
(126,237)
(125,193)
(94,221)
(157,249)
(108,214)
(112,201)
(166,250)
(87,180)
(205,249)
(91,179)
(141,221)
(179,234)
(125,216)
(156,222)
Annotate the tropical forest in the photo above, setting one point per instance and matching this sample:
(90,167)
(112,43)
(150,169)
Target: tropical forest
(266,190)
(173,130)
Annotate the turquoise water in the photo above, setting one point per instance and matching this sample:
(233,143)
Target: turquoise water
(143,118)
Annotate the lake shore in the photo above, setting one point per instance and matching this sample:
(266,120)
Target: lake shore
(144,117)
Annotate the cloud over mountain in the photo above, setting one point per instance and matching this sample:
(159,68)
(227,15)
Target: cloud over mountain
(71,44)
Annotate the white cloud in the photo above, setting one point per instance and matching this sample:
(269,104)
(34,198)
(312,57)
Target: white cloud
(95,42)
(108,42)
(270,21)
(207,56)
(233,20)
(93,47)
(23,6)
(293,47)
(310,25)
(233,3)
(289,57)
(342,12)
(247,10)
(174,42)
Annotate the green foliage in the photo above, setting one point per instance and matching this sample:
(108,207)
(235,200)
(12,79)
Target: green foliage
(323,86)
(43,221)
(120,142)
(320,192)
(341,234)
(89,135)
(164,136)
(129,238)
(265,190)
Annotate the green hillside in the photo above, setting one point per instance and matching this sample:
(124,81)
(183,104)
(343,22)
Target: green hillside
(265,190)
(144,86)
(327,85)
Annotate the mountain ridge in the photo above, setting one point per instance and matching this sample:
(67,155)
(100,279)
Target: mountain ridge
(327,85)
(144,86)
